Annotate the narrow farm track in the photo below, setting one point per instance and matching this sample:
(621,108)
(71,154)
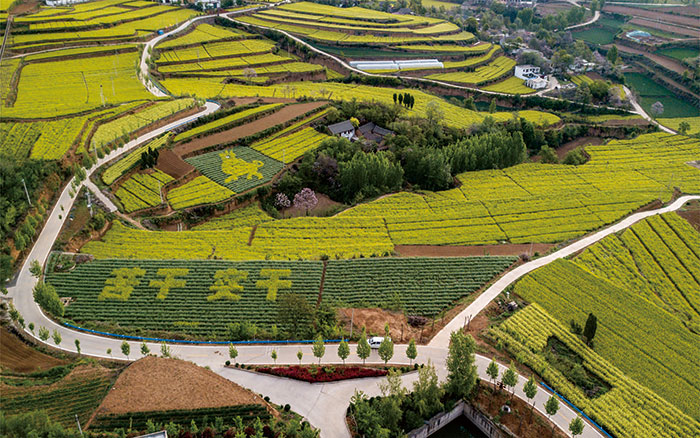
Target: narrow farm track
(323,405)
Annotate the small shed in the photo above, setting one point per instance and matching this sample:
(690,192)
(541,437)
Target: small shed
(343,129)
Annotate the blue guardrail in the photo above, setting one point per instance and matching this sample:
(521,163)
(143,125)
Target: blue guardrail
(571,405)
(183,341)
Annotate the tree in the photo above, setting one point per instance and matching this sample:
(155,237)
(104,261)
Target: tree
(590,328)
(548,156)
(144,349)
(294,313)
(411,351)
(109,351)
(126,349)
(492,371)
(400,99)
(427,393)
(461,371)
(576,426)
(282,201)
(551,407)
(433,113)
(657,108)
(232,352)
(35,268)
(683,128)
(395,97)
(164,349)
(612,54)
(319,349)
(45,294)
(530,390)
(510,378)
(493,106)
(363,348)
(77,346)
(273,355)
(305,199)
(300,354)
(386,349)
(343,350)
(56,337)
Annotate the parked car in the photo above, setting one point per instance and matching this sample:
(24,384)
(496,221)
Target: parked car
(376,341)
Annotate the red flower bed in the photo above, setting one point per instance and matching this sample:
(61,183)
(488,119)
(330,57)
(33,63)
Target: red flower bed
(314,374)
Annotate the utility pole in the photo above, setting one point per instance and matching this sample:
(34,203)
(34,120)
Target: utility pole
(352,319)
(26,192)
(89,202)
(77,420)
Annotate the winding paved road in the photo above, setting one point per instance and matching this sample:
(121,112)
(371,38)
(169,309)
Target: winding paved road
(323,405)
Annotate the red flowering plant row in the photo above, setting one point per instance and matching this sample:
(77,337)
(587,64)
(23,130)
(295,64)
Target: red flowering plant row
(313,373)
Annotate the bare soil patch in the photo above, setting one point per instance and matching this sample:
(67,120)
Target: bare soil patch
(583,141)
(160,384)
(653,15)
(374,320)
(511,249)
(324,206)
(284,115)
(519,421)
(663,61)
(628,122)
(169,162)
(19,357)
(691,213)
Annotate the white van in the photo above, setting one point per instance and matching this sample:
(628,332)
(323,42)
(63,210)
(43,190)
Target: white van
(376,341)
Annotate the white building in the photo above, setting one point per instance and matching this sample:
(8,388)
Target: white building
(343,129)
(536,83)
(63,2)
(397,65)
(209,4)
(526,71)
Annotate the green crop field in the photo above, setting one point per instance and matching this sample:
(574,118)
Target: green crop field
(644,287)
(680,53)
(238,169)
(629,409)
(651,92)
(409,282)
(200,298)
(78,393)
(603,33)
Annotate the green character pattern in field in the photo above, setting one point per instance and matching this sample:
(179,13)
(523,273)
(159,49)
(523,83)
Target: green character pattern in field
(274,282)
(236,167)
(226,284)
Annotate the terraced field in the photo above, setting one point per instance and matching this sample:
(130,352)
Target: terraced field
(522,204)
(649,273)
(495,69)
(142,190)
(200,190)
(356,25)
(453,115)
(628,409)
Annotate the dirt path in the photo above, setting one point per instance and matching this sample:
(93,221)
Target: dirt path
(284,115)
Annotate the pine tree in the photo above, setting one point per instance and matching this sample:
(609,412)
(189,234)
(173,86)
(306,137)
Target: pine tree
(590,328)
(411,351)
(363,348)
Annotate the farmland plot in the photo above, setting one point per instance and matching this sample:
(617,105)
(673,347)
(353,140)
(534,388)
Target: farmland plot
(644,287)
(238,169)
